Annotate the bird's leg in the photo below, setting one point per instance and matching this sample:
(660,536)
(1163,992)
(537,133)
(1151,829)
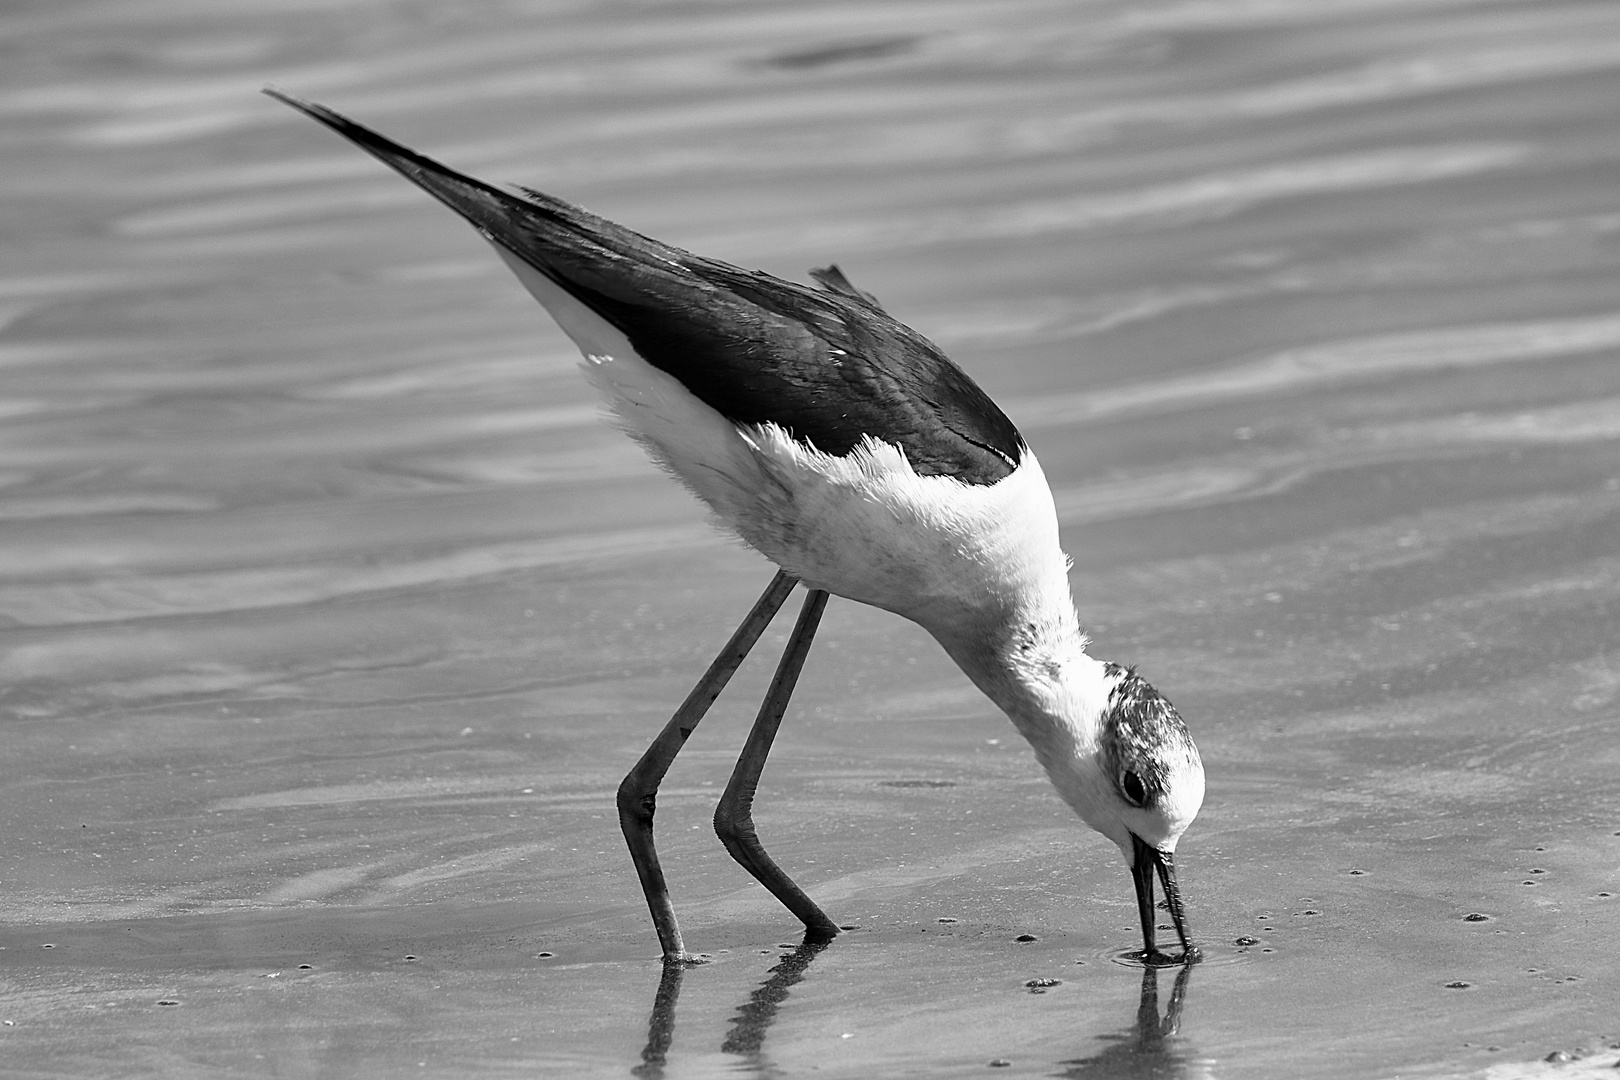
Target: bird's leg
(639,791)
(733,818)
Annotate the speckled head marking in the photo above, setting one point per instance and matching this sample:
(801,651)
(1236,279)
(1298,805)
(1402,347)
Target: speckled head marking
(1145,743)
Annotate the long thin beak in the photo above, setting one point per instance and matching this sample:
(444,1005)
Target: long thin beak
(1146,859)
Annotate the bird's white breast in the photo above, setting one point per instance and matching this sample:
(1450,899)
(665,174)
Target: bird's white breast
(865,525)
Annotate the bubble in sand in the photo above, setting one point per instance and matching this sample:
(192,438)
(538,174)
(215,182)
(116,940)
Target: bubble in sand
(168,1001)
(1458,984)
(1026,938)
(1246,941)
(1475,916)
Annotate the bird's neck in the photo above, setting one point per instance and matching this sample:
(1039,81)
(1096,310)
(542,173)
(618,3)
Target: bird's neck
(1031,661)
(1055,695)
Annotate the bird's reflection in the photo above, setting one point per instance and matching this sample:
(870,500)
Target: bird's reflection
(1147,1050)
(754,1017)
(661,1025)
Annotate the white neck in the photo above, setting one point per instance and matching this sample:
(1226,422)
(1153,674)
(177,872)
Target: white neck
(1033,665)
(1037,671)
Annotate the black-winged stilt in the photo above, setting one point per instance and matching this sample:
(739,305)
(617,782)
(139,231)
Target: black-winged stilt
(851,452)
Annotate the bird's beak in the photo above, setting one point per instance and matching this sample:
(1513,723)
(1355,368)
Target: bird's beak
(1145,860)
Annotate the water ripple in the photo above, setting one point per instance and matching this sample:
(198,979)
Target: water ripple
(1213,195)
(251,588)
(1294,370)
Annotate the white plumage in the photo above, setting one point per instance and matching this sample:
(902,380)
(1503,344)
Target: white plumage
(966,545)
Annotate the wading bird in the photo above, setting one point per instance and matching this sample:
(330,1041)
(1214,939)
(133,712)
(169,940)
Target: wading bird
(848,450)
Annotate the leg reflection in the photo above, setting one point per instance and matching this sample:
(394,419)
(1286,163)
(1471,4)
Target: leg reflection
(1151,1031)
(1147,1050)
(748,1027)
(661,1026)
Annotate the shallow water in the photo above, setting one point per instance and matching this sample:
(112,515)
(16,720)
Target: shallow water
(332,612)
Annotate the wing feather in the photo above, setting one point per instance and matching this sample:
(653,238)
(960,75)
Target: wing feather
(830,367)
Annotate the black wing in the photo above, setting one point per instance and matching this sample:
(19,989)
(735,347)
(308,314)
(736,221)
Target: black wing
(829,367)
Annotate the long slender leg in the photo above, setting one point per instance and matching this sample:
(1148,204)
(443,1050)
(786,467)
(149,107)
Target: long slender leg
(733,818)
(639,792)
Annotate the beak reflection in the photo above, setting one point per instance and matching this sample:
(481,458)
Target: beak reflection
(1146,861)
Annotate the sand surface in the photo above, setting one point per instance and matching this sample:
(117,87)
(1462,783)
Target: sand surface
(331,612)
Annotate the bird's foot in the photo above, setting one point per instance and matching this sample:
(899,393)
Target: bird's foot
(686,959)
(1158,958)
(821,933)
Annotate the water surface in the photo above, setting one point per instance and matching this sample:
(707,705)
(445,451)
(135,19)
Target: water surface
(332,612)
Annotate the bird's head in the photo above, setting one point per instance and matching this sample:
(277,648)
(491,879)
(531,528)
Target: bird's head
(1154,774)
(1140,784)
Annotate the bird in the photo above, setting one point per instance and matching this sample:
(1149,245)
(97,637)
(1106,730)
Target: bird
(847,449)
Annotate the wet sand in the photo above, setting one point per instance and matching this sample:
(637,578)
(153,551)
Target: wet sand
(331,613)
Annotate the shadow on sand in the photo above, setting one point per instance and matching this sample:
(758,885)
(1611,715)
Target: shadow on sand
(1147,1049)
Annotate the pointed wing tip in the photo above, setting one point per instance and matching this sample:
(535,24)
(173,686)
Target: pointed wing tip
(396,156)
(314,110)
(487,208)
(309,108)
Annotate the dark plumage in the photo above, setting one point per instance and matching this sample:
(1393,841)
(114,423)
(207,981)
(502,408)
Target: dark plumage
(829,366)
(728,376)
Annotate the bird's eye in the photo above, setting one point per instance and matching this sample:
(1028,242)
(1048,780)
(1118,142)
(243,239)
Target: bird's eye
(1131,786)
